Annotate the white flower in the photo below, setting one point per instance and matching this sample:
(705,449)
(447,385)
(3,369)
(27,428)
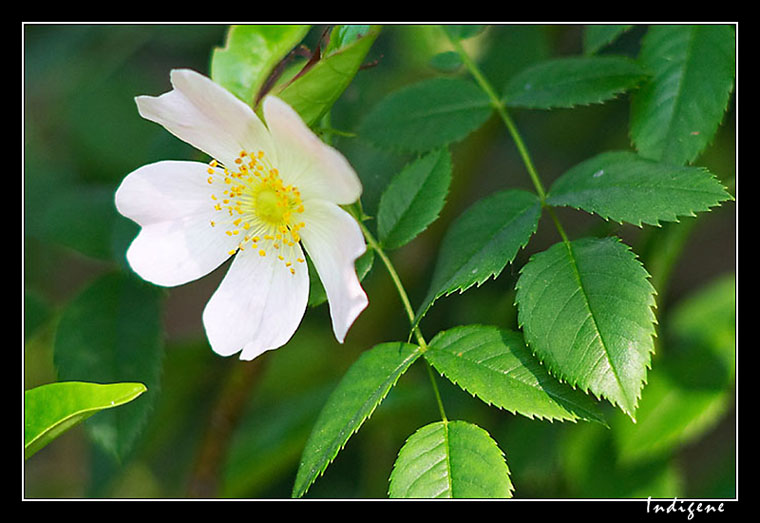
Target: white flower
(269,191)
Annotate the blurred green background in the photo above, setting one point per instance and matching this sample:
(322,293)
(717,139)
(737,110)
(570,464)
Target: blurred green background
(82,135)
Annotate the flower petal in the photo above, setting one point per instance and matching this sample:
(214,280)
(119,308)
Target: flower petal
(318,170)
(207,116)
(171,201)
(334,242)
(257,307)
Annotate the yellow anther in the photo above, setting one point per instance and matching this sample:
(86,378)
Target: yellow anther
(212,223)
(292,270)
(213,163)
(262,252)
(231,252)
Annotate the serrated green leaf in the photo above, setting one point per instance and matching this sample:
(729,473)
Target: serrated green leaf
(413,199)
(496,366)
(358,394)
(250,54)
(586,311)
(567,82)
(315,91)
(111,333)
(625,187)
(50,410)
(481,242)
(595,37)
(450,459)
(675,114)
(427,115)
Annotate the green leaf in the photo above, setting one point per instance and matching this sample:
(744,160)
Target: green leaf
(359,392)
(595,37)
(674,116)
(452,459)
(481,242)
(427,115)
(586,311)
(111,333)
(50,410)
(314,92)
(413,199)
(496,366)
(343,35)
(625,187)
(567,82)
(250,55)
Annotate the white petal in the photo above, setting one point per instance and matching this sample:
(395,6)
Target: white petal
(334,242)
(171,201)
(207,116)
(318,170)
(257,307)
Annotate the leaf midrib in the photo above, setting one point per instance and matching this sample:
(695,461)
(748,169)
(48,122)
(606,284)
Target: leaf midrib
(577,275)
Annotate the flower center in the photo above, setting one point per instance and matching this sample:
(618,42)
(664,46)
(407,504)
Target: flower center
(256,206)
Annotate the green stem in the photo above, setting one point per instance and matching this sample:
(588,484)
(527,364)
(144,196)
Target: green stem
(501,109)
(373,243)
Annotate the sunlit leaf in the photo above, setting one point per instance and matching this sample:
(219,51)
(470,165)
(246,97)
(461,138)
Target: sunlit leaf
(250,54)
(450,459)
(50,410)
(314,92)
(586,311)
